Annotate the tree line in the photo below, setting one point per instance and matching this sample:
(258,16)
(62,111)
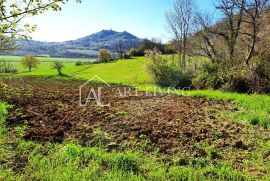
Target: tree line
(234,40)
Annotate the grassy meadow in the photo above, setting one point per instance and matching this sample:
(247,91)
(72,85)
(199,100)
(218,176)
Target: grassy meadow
(45,65)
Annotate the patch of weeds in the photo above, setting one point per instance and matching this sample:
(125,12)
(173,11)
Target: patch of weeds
(217,134)
(99,133)
(21,130)
(122,113)
(204,149)
(201,162)
(127,163)
(110,116)
(101,138)
(183,160)
(211,153)
(265,123)
(145,143)
(254,121)
(61,105)
(99,111)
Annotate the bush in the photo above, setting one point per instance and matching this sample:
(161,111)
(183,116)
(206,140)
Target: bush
(244,79)
(210,78)
(126,56)
(79,63)
(136,52)
(240,81)
(166,72)
(105,55)
(249,79)
(7,67)
(261,75)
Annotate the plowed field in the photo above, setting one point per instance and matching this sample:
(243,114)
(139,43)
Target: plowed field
(172,124)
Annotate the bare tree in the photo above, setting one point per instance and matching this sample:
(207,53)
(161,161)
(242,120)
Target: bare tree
(202,40)
(236,32)
(225,32)
(179,21)
(254,11)
(119,48)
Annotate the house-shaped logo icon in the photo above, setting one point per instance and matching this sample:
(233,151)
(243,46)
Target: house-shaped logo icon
(93,94)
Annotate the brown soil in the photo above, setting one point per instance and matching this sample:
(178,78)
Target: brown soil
(172,123)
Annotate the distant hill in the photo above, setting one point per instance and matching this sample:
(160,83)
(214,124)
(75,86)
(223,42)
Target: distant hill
(86,47)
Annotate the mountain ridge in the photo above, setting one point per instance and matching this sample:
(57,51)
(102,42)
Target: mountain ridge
(85,47)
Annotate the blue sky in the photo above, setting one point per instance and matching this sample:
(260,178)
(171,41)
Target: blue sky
(143,18)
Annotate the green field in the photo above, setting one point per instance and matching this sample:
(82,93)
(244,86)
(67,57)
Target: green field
(130,71)
(45,65)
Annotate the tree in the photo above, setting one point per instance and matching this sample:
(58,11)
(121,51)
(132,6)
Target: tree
(235,37)
(120,49)
(225,32)
(254,11)
(180,22)
(30,62)
(105,55)
(12,12)
(58,66)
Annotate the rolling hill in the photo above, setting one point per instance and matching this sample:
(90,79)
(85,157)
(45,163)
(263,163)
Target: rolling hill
(86,47)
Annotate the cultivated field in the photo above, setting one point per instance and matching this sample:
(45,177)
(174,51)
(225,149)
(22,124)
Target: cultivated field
(207,135)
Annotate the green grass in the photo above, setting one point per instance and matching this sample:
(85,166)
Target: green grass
(45,65)
(42,59)
(256,108)
(129,72)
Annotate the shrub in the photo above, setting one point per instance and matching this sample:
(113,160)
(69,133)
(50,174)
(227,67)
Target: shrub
(126,56)
(236,79)
(166,72)
(105,55)
(79,63)
(7,67)
(210,78)
(242,78)
(261,75)
(136,52)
